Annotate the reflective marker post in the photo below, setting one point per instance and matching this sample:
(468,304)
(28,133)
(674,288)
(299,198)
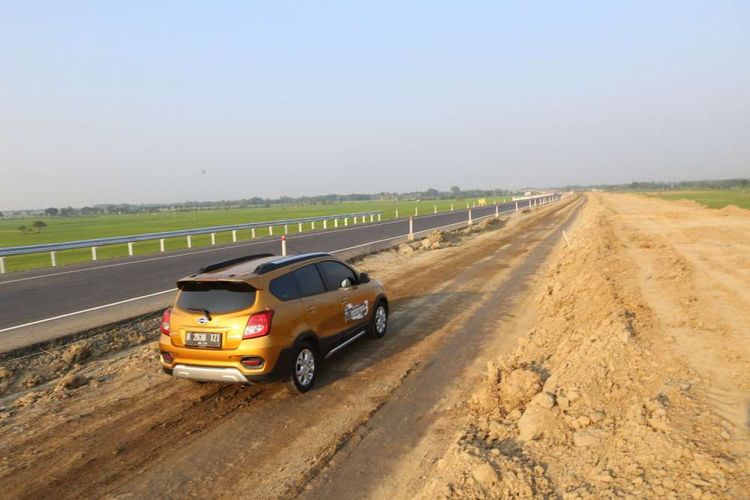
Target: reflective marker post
(283,245)
(470,221)
(411,228)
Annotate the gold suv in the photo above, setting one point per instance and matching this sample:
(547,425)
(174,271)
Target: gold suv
(261,317)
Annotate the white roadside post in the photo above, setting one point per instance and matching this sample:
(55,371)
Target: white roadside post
(161,245)
(2,265)
(378,217)
(335,223)
(189,241)
(286,228)
(234,236)
(270,230)
(252,232)
(516,206)
(397,213)
(313,225)
(411,228)
(93,253)
(213,238)
(130,248)
(497,211)
(470,221)
(299,227)
(416,211)
(346,221)
(325,223)
(434,209)
(355,220)
(52,258)
(372,217)
(451,207)
(467,205)
(283,245)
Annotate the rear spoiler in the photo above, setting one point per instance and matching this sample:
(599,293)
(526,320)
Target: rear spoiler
(232,262)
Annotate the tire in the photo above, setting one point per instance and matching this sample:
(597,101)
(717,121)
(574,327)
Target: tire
(379,321)
(304,368)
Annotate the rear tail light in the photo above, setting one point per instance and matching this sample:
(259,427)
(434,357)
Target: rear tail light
(252,362)
(165,328)
(258,325)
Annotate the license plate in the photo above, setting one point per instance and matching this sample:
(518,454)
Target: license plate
(202,339)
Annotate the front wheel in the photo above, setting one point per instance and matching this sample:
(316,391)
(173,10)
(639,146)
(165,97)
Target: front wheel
(379,321)
(304,369)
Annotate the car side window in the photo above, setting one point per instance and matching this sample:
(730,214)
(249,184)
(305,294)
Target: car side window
(284,287)
(309,281)
(335,272)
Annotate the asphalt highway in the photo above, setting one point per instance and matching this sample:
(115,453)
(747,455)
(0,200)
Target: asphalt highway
(44,297)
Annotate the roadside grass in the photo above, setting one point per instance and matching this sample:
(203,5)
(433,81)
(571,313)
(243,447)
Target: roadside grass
(711,199)
(61,229)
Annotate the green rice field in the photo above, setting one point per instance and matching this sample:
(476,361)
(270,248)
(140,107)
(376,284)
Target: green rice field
(62,229)
(712,198)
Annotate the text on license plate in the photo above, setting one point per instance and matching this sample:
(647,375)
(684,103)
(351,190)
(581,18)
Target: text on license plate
(203,339)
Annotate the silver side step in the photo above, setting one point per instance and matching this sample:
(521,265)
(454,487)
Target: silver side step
(209,374)
(346,343)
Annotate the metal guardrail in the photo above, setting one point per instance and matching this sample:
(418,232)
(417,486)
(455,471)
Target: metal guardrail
(118,240)
(52,248)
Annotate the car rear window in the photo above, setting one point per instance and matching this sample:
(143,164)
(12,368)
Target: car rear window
(309,281)
(284,288)
(215,297)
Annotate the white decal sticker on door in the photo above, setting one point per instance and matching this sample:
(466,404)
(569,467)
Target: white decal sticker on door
(354,312)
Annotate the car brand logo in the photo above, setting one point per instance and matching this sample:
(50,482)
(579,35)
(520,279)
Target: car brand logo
(202,320)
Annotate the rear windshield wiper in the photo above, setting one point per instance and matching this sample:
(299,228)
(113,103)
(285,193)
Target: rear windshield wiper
(204,311)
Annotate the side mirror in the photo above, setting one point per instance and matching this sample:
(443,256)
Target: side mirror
(345,283)
(364,278)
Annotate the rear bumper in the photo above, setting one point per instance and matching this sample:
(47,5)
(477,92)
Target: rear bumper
(209,374)
(230,374)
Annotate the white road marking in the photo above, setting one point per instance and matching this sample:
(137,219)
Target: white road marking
(87,310)
(175,289)
(218,249)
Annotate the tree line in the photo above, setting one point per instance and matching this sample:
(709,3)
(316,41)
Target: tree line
(127,208)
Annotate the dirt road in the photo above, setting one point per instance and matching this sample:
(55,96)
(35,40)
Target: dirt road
(132,431)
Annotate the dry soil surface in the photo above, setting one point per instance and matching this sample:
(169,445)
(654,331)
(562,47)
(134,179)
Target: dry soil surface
(117,427)
(633,376)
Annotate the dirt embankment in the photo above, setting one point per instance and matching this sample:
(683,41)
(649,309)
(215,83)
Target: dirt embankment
(634,378)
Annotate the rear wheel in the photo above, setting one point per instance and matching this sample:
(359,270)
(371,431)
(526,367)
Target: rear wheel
(304,369)
(379,322)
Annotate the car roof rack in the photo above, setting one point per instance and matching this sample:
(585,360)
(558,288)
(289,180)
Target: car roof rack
(288,260)
(232,262)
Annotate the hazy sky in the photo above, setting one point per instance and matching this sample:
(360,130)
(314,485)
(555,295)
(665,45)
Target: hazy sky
(131,101)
